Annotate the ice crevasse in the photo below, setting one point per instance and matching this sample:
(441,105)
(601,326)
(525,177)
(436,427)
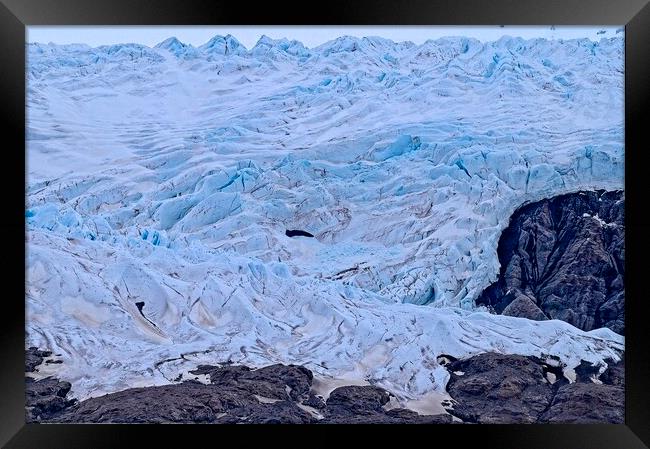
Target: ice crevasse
(168,177)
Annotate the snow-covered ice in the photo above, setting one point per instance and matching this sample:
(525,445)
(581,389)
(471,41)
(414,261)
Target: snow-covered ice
(169,175)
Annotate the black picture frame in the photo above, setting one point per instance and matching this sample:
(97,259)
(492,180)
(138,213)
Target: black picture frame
(15,15)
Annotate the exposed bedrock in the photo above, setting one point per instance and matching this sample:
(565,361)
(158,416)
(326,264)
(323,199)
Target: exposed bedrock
(486,388)
(500,389)
(47,397)
(563,258)
(366,404)
(231,394)
(34,357)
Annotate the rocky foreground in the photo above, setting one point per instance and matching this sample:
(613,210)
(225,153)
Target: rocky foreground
(487,388)
(498,389)
(235,394)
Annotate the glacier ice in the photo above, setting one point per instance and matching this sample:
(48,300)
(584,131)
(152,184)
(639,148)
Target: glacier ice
(169,176)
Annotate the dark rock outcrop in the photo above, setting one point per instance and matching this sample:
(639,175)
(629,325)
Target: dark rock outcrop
(357,400)
(45,398)
(586,403)
(187,402)
(507,389)
(365,405)
(405,416)
(614,374)
(236,394)
(282,382)
(563,258)
(495,388)
(487,388)
(315,402)
(34,357)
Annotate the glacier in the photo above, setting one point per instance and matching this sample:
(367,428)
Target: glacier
(169,175)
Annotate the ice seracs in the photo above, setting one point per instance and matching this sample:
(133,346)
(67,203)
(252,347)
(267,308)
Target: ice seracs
(274,48)
(403,161)
(177,48)
(223,45)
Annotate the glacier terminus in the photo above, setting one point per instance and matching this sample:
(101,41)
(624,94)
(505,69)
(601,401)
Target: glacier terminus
(336,207)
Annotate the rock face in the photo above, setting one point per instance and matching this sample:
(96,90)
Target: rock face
(494,388)
(187,402)
(34,357)
(563,258)
(284,382)
(505,389)
(366,404)
(44,398)
(586,403)
(235,394)
(614,374)
(487,388)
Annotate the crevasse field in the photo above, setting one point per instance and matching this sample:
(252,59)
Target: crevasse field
(164,179)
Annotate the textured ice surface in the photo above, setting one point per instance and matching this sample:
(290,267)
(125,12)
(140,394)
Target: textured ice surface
(169,176)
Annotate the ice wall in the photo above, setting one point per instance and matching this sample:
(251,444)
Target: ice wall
(169,176)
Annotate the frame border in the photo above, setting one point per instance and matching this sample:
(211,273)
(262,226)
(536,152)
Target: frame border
(15,15)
